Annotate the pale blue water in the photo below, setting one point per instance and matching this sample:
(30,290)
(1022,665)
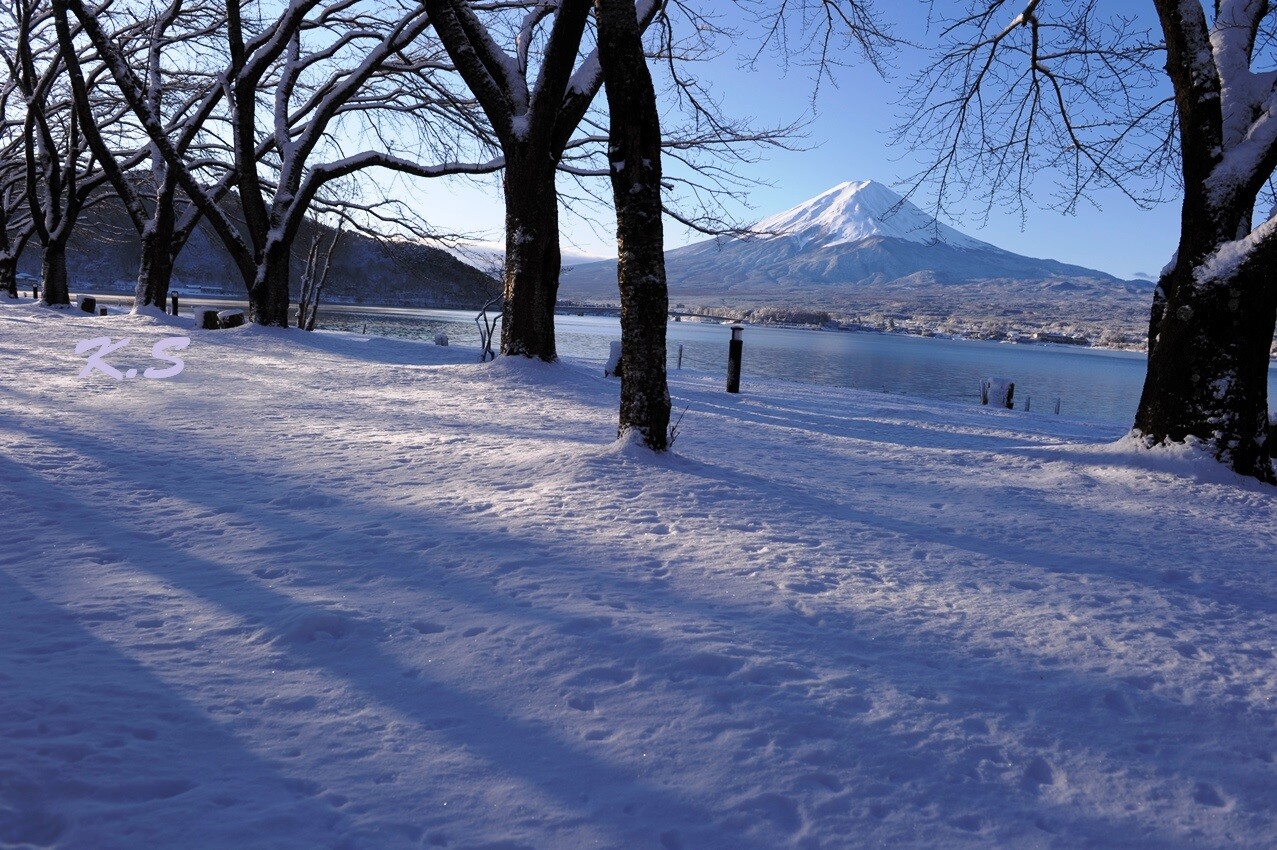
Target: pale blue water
(1093,384)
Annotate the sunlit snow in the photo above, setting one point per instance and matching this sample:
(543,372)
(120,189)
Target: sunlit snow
(326,591)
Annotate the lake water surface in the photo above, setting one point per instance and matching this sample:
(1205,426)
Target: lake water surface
(1094,384)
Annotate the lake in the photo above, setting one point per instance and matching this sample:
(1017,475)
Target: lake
(1094,384)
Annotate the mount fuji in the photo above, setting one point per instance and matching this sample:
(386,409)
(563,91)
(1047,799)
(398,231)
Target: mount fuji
(861,246)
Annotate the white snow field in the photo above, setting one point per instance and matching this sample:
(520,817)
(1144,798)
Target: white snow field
(325,591)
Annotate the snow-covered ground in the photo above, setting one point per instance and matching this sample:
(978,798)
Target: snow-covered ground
(323,591)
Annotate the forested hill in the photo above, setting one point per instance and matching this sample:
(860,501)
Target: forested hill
(105,251)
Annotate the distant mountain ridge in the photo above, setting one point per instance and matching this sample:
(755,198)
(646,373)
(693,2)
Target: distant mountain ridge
(104,254)
(861,247)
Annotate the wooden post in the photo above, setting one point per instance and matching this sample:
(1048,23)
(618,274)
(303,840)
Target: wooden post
(174,297)
(680,355)
(1057,407)
(35,292)
(997,391)
(101,311)
(734,349)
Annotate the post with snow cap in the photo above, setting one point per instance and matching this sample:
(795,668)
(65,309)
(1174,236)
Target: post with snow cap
(733,359)
(998,391)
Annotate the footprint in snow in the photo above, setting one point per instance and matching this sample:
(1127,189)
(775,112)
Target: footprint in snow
(1208,795)
(1039,772)
(1193,652)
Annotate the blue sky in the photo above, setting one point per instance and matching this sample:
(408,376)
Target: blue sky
(848,139)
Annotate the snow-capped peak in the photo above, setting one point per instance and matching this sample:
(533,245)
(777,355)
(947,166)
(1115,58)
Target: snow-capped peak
(858,210)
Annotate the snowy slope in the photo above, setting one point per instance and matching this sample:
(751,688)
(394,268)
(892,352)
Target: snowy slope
(853,211)
(323,591)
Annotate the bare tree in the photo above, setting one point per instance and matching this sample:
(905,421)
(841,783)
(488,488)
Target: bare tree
(61,175)
(315,275)
(534,125)
(305,70)
(1063,87)
(16,227)
(537,96)
(634,154)
(163,223)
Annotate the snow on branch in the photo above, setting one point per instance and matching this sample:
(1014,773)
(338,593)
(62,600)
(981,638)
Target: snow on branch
(1226,262)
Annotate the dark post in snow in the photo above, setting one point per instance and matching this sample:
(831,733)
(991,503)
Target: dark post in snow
(35,292)
(733,359)
(174,297)
(101,311)
(997,391)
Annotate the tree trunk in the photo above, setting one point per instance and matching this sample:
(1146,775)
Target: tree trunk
(157,275)
(159,251)
(268,297)
(9,275)
(1208,366)
(634,156)
(54,287)
(532,260)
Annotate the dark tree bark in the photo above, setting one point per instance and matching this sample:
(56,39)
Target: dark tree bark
(1208,364)
(55,288)
(634,154)
(9,275)
(160,246)
(268,299)
(532,259)
(11,248)
(1212,321)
